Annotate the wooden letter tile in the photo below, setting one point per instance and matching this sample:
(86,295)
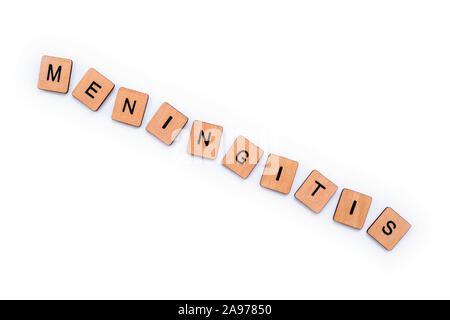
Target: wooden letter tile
(93,89)
(352,208)
(55,74)
(279,174)
(130,107)
(205,139)
(389,228)
(242,157)
(316,191)
(167,123)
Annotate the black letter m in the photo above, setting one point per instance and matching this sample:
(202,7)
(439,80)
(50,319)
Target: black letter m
(50,71)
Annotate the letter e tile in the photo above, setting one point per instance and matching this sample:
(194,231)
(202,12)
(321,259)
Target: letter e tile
(93,89)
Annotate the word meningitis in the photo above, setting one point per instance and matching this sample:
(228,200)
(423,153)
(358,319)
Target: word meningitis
(242,157)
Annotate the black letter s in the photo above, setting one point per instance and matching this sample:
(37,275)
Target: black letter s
(391,225)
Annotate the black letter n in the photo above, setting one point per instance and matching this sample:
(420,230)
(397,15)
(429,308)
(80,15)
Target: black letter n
(50,71)
(202,135)
(127,102)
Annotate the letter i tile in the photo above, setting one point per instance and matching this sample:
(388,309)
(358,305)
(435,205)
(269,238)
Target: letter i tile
(352,208)
(279,173)
(167,123)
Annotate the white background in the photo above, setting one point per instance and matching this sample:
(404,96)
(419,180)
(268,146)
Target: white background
(92,208)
